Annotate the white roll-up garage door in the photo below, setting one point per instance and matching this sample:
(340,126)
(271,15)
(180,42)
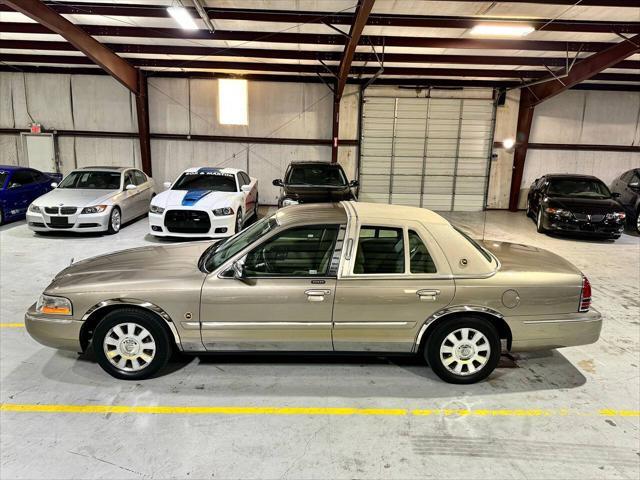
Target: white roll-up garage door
(426,152)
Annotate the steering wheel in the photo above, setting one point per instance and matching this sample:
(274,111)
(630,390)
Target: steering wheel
(267,265)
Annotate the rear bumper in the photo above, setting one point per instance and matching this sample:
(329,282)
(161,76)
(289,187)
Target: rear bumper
(543,332)
(56,332)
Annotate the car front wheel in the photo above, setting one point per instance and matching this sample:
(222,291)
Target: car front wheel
(638,221)
(238,226)
(130,344)
(463,350)
(540,221)
(115,221)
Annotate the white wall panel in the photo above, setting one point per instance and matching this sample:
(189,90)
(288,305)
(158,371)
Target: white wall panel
(102,104)
(9,150)
(168,105)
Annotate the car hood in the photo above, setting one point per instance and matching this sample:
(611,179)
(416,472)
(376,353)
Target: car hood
(74,197)
(315,193)
(133,269)
(195,198)
(584,205)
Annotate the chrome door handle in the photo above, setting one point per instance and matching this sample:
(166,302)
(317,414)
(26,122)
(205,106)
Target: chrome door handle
(428,295)
(317,295)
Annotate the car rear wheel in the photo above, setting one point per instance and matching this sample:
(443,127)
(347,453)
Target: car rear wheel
(115,221)
(539,221)
(238,226)
(463,350)
(130,344)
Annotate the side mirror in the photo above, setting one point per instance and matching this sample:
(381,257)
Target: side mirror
(634,185)
(245,188)
(278,182)
(615,195)
(167,185)
(54,184)
(131,186)
(238,270)
(354,183)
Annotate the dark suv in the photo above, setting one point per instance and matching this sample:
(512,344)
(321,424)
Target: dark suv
(579,204)
(314,182)
(627,186)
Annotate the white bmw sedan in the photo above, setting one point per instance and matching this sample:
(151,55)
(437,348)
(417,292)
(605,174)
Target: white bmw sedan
(92,199)
(204,202)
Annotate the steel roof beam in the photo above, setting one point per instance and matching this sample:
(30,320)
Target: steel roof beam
(389,20)
(317,39)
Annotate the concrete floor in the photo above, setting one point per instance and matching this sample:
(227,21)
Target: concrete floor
(538,417)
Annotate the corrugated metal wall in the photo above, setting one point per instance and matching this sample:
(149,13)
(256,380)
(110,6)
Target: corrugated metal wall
(176,106)
(429,152)
(584,117)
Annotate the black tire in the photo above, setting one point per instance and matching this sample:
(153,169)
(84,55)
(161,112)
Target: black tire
(140,318)
(238,225)
(1,217)
(527,211)
(439,336)
(111,229)
(539,221)
(637,225)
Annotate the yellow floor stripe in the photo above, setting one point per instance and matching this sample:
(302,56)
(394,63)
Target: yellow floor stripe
(178,410)
(11,325)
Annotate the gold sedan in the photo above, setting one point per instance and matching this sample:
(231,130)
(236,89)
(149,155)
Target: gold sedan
(347,277)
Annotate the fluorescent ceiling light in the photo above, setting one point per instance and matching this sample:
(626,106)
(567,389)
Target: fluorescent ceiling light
(233,102)
(182,16)
(503,30)
(508,143)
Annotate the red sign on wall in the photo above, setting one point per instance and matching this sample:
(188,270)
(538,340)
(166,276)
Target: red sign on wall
(36,128)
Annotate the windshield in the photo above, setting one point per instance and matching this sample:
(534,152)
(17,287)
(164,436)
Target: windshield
(219,253)
(320,174)
(3,177)
(92,180)
(476,245)
(207,180)
(584,188)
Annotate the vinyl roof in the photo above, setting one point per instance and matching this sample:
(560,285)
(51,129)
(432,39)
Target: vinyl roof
(417,41)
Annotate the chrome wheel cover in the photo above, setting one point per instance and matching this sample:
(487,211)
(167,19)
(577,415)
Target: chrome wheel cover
(129,347)
(465,351)
(115,220)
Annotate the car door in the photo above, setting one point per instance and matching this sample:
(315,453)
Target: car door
(145,192)
(628,194)
(250,197)
(130,198)
(393,277)
(22,189)
(283,301)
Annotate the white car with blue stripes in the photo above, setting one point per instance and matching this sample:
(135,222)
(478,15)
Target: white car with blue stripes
(204,202)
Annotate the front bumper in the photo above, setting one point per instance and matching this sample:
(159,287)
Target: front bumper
(604,228)
(53,331)
(94,222)
(544,332)
(221,226)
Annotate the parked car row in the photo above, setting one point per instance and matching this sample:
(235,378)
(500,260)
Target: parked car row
(583,204)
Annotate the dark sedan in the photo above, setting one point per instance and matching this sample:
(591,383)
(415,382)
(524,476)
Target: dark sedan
(314,182)
(19,186)
(627,186)
(579,204)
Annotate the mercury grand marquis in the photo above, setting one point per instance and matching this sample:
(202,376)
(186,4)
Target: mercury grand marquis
(343,277)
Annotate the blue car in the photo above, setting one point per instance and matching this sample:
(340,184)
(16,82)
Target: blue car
(19,186)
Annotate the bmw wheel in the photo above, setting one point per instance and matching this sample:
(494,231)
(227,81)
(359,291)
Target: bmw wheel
(115,221)
(637,221)
(130,344)
(539,221)
(238,226)
(463,350)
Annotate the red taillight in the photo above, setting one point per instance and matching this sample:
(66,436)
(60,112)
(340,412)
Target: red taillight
(585,295)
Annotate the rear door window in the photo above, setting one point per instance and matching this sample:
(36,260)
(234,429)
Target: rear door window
(420,260)
(380,250)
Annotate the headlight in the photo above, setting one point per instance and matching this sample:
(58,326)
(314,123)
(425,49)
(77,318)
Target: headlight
(33,208)
(559,212)
(289,201)
(223,211)
(616,216)
(158,210)
(94,209)
(54,305)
